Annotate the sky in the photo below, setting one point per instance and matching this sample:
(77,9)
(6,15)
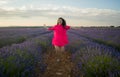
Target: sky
(75,12)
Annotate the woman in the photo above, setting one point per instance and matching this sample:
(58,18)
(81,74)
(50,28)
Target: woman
(60,38)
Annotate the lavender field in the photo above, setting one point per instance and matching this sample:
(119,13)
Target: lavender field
(95,51)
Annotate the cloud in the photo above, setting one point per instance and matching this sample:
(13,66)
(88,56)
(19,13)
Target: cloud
(3,2)
(57,10)
(88,14)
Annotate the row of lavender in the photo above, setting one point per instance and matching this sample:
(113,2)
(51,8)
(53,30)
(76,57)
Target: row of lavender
(10,35)
(108,36)
(93,59)
(21,60)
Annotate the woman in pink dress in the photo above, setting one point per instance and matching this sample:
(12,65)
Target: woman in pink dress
(60,38)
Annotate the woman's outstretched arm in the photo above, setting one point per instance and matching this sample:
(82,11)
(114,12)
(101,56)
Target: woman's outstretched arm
(51,28)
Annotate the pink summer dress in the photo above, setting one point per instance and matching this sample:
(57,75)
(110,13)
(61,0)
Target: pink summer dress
(60,35)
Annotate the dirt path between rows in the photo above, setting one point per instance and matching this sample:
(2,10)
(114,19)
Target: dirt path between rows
(59,65)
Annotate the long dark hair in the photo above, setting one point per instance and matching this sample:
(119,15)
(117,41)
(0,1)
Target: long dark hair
(63,22)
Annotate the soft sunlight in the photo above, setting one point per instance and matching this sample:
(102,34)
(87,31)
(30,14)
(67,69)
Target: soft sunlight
(76,12)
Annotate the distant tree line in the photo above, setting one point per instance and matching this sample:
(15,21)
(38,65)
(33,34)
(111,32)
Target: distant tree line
(112,26)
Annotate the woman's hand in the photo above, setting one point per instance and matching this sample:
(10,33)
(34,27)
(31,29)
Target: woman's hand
(45,26)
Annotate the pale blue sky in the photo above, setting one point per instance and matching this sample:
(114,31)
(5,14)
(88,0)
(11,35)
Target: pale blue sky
(76,12)
(103,4)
